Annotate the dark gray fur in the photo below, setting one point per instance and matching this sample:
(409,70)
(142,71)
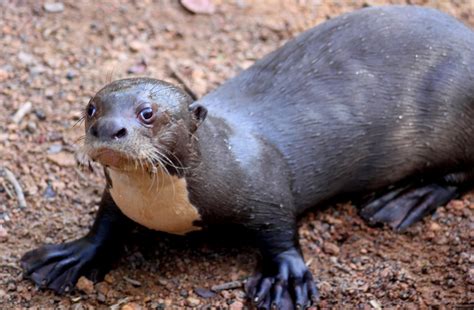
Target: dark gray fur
(358,103)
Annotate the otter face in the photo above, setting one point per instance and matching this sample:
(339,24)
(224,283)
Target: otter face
(140,122)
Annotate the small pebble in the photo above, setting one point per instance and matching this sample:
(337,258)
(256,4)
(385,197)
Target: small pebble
(4,75)
(450,283)
(70,75)
(55,148)
(31,127)
(163,282)
(192,302)
(137,69)
(136,46)
(331,249)
(63,159)
(374,303)
(49,93)
(226,294)
(183,293)
(435,226)
(11,287)
(40,114)
(26,59)
(470,276)
(109,278)
(132,281)
(53,7)
(49,192)
(204,293)
(130,306)
(236,305)
(85,285)
(102,287)
(457,204)
(3,233)
(199,6)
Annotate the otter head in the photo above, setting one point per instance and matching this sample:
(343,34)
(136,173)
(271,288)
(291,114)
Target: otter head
(141,122)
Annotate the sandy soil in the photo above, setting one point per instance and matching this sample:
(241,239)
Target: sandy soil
(56,60)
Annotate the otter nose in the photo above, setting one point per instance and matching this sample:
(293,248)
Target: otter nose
(105,129)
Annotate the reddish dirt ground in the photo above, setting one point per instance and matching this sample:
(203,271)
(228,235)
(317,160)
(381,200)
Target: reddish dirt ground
(57,60)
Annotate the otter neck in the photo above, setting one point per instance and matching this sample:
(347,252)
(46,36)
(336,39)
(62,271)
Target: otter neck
(159,201)
(183,153)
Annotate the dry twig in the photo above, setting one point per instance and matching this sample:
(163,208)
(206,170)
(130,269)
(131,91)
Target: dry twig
(9,176)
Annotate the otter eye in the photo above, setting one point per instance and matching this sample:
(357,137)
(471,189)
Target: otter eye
(90,110)
(146,115)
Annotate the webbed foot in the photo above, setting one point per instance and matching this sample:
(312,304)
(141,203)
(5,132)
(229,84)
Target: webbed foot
(287,284)
(401,207)
(58,267)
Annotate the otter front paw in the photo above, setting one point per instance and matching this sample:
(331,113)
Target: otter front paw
(58,267)
(287,284)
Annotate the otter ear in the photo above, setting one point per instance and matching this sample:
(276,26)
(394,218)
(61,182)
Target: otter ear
(199,114)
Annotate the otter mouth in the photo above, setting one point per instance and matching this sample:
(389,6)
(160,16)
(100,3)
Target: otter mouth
(126,156)
(109,157)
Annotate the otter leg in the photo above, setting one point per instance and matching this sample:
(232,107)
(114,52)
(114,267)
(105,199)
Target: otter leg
(403,206)
(284,281)
(59,266)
